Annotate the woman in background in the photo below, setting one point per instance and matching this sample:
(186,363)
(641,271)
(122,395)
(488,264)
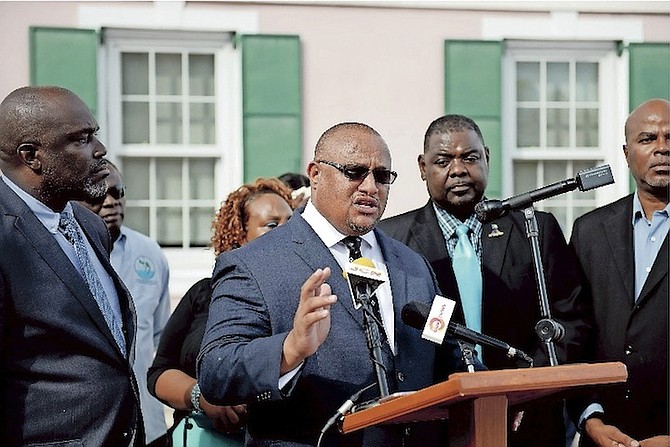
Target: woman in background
(250,211)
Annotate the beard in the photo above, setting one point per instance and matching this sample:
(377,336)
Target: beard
(61,187)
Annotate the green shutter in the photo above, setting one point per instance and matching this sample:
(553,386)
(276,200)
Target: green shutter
(66,57)
(648,76)
(649,72)
(473,87)
(271,105)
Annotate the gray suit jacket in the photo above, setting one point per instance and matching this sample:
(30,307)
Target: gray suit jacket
(635,333)
(63,380)
(256,294)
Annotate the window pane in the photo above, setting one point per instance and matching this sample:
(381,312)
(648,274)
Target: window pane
(137,218)
(168,226)
(525,176)
(558,81)
(168,123)
(555,171)
(168,178)
(201,226)
(528,81)
(587,127)
(201,74)
(168,74)
(136,178)
(202,124)
(587,81)
(558,128)
(135,73)
(135,122)
(528,127)
(201,178)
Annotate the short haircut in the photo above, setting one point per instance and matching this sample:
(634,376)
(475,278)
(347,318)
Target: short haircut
(448,124)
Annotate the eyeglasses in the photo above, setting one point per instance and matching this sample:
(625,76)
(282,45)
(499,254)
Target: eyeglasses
(116,192)
(358,172)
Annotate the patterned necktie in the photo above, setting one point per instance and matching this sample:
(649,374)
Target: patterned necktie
(69,229)
(353,243)
(469,279)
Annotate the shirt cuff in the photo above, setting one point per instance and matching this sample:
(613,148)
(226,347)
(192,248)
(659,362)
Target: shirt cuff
(591,409)
(286,378)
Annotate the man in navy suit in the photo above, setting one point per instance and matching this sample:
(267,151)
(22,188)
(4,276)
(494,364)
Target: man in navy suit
(623,254)
(283,334)
(67,323)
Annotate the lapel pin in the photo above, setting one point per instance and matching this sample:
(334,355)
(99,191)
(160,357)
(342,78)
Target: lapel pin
(495,231)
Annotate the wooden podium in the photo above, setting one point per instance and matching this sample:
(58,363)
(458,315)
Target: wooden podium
(477,403)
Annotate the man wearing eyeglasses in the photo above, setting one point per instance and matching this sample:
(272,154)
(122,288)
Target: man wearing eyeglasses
(283,333)
(142,266)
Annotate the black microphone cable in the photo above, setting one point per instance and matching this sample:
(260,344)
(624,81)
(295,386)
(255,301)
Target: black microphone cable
(343,410)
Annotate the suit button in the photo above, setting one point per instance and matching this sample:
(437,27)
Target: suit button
(408,431)
(125,434)
(400,376)
(629,350)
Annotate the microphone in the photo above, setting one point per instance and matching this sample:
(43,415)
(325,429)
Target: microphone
(416,314)
(363,277)
(587,179)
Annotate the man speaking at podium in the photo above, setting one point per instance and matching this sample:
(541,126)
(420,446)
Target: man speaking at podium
(455,166)
(283,333)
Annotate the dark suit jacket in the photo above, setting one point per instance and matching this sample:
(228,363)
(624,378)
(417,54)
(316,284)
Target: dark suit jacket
(63,380)
(626,331)
(256,293)
(510,303)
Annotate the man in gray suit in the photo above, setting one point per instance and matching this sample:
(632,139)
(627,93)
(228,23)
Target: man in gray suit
(67,323)
(283,333)
(623,254)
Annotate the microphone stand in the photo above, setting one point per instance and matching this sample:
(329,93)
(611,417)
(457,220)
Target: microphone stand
(547,328)
(373,335)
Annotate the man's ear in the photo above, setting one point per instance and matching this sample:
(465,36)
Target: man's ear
(27,153)
(421,161)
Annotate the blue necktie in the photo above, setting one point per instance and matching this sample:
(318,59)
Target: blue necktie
(469,279)
(68,227)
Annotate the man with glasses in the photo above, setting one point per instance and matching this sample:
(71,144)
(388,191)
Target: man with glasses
(284,334)
(142,266)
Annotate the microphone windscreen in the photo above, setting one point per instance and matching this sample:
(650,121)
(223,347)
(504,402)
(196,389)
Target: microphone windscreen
(415,314)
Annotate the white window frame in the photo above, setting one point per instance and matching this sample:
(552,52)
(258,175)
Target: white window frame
(228,148)
(611,75)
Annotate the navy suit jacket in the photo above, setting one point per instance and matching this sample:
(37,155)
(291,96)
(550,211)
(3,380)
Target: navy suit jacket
(510,304)
(255,297)
(63,379)
(635,333)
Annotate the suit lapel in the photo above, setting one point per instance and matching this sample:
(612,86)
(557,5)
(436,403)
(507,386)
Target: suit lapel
(47,248)
(619,233)
(428,235)
(312,250)
(495,237)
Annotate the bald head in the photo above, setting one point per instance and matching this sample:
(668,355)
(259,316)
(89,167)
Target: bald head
(48,146)
(29,115)
(344,136)
(654,107)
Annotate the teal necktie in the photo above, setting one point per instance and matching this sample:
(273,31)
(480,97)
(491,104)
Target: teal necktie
(469,279)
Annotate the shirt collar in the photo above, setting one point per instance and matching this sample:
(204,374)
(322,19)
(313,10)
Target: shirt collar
(326,231)
(44,214)
(638,212)
(448,222)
